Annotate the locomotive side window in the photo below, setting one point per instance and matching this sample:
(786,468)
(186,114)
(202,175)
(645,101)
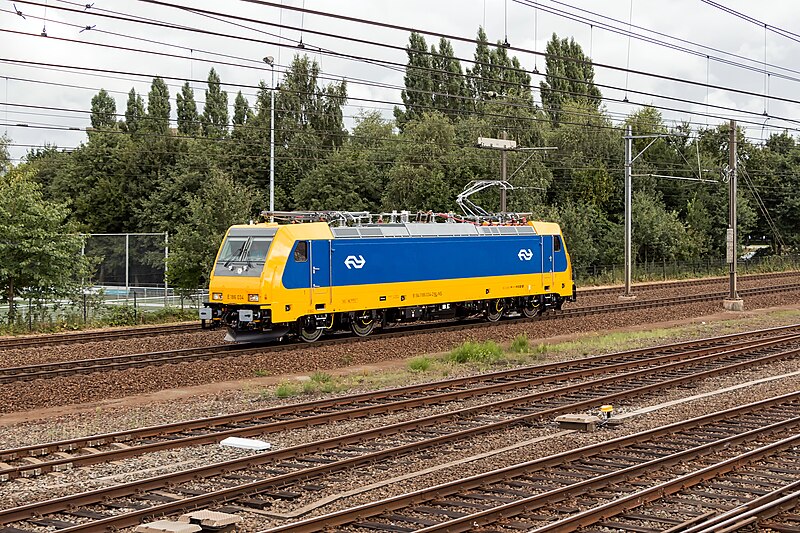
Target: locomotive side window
(557,243)
(301,252)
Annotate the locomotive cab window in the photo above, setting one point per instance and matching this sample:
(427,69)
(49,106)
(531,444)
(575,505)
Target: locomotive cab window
(301,252)
(557,243)
(243,256)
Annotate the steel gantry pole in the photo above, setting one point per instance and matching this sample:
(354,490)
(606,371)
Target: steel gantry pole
(269,60)
(628,216)
(732,302)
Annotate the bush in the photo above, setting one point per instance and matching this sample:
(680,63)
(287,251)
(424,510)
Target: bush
(285,390)
(479,352)
(321,377)
(520,344)
(419,364)
(120,315)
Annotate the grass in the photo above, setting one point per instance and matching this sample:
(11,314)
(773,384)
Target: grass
(520,344)
(475,356)
(476,352)
(420,364)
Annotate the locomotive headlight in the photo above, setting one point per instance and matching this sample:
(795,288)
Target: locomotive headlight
(216,296)
(252,297)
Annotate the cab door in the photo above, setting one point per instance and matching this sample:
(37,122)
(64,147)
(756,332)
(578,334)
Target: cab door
(320,274)
(548,278)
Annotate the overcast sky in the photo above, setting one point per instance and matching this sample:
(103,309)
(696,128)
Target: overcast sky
(64,95)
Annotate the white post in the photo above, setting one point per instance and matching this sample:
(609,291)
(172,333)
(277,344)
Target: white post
(127,265)
(166,268)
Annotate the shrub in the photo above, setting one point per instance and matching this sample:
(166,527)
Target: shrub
(479,352)
(321,377)
(520,344)
(419,364)
(285,390)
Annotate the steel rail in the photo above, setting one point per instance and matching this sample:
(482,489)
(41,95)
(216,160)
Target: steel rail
(672,486)
(542,374)
(683,283)
(94,336)
(83,366)
(600,386)
(470,521)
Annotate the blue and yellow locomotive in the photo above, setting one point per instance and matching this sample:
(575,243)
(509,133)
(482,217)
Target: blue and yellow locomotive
(303,279)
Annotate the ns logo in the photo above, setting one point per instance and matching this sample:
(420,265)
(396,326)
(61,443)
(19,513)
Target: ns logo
(356,262)
(525,254)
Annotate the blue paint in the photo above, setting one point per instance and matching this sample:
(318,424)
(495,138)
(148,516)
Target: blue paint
(422,259)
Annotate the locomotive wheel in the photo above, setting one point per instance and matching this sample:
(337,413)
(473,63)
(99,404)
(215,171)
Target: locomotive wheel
(494,310)
(363,324)
(307,329)
(530,309)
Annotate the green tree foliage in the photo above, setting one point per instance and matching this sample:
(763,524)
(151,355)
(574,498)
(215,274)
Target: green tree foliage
(240,109)
(158,108)
(569,77)
(220,203)
(450,93)
(188,118)
(215,112)
(104,111)
(40,254)
(352,177)
(5,158)
(478,75)
(134,112)
(418,93)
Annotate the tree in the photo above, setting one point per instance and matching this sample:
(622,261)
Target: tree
(134,112)
(188,118)
(240,109)
(479,73)
(418,93)
(104,110)
(215,112)
(158,107)
(5,158)
(39,253)
(569,77)
(220,203)
(450,94)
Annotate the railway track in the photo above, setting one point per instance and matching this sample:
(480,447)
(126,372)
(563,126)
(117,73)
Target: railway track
(687,283)
(94,336)
(67,454)
(255,481)
(122,362)
(581,487)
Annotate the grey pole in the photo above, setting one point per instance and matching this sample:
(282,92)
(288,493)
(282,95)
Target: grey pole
(628,217)
(503,171)
(732,161)
(272,141)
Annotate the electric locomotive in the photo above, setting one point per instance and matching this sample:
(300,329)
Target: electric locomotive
(304,279)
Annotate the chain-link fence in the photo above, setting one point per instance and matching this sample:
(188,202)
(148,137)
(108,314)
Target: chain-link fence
(128,285)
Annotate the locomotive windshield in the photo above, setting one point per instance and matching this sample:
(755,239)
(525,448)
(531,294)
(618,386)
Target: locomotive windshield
(242,256)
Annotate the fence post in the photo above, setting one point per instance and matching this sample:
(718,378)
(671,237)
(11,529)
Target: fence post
(135,314)
(84,307)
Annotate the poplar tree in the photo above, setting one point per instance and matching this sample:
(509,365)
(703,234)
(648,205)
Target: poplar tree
(418,93)
(569,77)
(479,73)
(215,113)
(450,94)
(188,118)
(240,109)
(104,110)
(134,113)
(158,107)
